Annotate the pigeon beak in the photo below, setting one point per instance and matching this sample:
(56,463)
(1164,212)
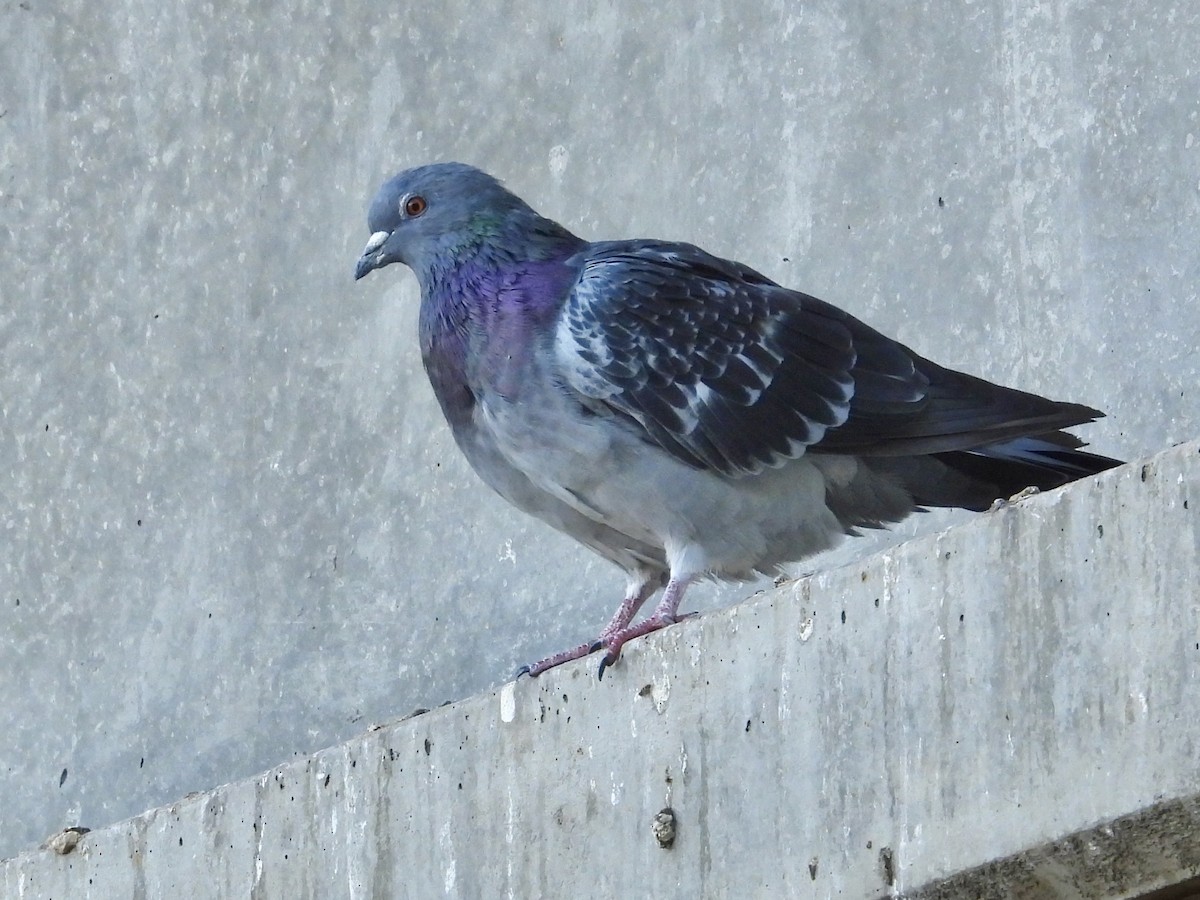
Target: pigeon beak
(372,255)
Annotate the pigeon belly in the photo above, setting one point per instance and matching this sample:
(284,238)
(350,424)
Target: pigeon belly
(704,523)
(478,443)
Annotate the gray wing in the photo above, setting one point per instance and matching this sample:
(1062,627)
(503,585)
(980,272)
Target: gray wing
(726,370)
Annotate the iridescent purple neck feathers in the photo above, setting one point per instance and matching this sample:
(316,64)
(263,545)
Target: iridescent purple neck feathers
(484,309)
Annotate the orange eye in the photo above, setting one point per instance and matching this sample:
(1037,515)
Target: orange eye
(415,205)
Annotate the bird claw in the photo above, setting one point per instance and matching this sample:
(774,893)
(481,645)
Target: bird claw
(605,663)
(618,640)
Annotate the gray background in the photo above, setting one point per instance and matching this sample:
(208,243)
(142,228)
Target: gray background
(232,525)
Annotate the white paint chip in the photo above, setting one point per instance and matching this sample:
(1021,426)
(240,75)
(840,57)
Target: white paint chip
(508,702)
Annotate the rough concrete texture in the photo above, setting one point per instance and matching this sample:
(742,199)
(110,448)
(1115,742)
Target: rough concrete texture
(1153,854)
(871,730)
(232,527)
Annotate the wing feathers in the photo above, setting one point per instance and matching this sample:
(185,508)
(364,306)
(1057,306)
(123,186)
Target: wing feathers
(727,370)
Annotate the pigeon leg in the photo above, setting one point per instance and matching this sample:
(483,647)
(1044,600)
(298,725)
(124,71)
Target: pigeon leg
(666,613)
(639,592)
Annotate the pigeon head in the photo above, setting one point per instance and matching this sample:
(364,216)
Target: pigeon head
(435,214)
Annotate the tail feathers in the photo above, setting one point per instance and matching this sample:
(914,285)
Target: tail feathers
(974,479)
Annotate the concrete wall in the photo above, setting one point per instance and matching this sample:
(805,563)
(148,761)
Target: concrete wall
(874,730)
(232,527)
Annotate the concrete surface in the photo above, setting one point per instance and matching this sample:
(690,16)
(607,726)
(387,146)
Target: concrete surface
(1022,685)
(232,528)
(1153,854)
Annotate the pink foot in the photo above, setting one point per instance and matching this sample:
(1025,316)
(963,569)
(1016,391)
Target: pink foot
(666,613)
(558,659)
(625,635)
(639,591)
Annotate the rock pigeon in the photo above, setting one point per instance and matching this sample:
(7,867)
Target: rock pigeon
(680,414)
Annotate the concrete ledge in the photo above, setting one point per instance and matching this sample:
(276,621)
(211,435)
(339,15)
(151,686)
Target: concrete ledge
(885,728)
(1152,854)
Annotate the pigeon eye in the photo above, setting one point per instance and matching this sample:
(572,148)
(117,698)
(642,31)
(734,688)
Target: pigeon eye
(415,205)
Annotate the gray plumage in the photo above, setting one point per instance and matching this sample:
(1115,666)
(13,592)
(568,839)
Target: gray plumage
(680,414)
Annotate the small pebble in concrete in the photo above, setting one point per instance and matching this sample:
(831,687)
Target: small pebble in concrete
(663,827)
(66,840)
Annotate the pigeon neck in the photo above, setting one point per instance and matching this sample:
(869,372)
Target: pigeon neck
(502,241)
(488,259)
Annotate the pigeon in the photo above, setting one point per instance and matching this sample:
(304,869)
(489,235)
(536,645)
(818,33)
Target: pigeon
(680,414)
